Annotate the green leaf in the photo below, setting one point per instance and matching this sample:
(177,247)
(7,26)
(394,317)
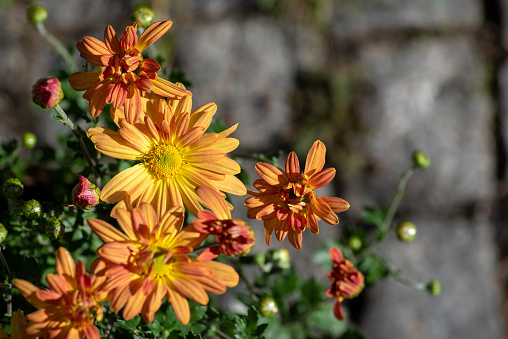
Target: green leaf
(373,269)
(352,334)
(373,216)
(130,325)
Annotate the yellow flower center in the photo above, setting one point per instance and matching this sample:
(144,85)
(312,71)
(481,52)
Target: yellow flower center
(163,160)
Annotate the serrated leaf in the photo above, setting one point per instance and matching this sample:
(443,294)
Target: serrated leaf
(130,325)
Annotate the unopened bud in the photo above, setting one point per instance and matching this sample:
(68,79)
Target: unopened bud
(281,258)
(355,243)
(29,140)
(12,188)
(406,231)
(421,160)
(268,307)
(85,194)
(143,16)
(47,92)
(32,209)
(3,233)
(37,14)
(54,229)
(434,288)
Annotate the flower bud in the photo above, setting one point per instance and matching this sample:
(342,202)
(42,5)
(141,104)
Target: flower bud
(47,92)
(434,288)
(406,231)
(85,194)
(421,160)
(32,209)
(3,233)
(54,229)
(355,243)
(281,258)
(143,16)
(12,188)
(268,307)
(29,140)
(37,14)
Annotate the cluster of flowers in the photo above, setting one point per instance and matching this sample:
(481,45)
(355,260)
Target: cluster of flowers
(153,256)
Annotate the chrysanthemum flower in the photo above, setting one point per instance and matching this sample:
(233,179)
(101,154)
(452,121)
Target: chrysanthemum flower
(233,236)
(149,262)
(287,202)
(125,76)
(70,307)
(18,327)
(347,281)
(175,154)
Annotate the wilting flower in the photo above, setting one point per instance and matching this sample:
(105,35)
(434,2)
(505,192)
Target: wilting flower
(287,202)
(47,92)
(85,194)
(175,154)
(347,281)
(67,309)
(149,262)
(233,236)
(18,327)
(125,76)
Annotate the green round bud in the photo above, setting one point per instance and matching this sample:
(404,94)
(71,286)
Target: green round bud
(260,259)
(12,188)
(3,233)
(32,209)
(434,288)
(29,140)
(143,16)
(281,258)
(406,231)
(54,229)
(268,307)
(421,160)
(355,243)
(37,14)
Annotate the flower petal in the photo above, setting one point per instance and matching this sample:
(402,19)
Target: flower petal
(269,173)
(64,263)
(315,158)
(152,34)
(168,89)
(81,81)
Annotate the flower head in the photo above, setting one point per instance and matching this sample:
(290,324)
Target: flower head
(67,309)
(18,327)
(47,92)
(233,236)
(85,194)
(287,202)
(347,281)
(175,155)
(149,262)
(125,76)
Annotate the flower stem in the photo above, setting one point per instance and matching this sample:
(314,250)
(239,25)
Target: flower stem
(78,135)
(396,274)
(59,47)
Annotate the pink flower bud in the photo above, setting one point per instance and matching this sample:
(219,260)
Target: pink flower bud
(85,195)
(47,92)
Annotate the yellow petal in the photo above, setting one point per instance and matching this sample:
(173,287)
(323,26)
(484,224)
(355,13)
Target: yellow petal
(168,89)
(225,273)
(113,145)
(215,201)
(231,185)
(132,181)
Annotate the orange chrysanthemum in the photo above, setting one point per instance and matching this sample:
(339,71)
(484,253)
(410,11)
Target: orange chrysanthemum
(125,76)
(67,309)
(287,202)
(175,154)
(347,281)
(149,262)
(233,236)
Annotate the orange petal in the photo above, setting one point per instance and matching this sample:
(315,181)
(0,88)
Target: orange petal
(64,263)
(295,238)
(269,173)
(191,290)
(105,231)
(132,181)
(29,292)
(231,185)
(269,227)
(322,178)
(225,273)
(81,81)
(168,89)
(111,40)
(152,34)
(215,201)
(336,204)
(336,255)
(180,306)
(292,167)
(132,106)
(323,210)
(134,305)
(315,158)
(129,38)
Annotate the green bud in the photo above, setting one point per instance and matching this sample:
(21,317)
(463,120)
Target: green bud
(355,243)
(434,288)
(54,229)
(421,160)
(29,140)
(143,16)
(260,259)
(3,233)
(268,307)
(406,231)
(37,14)
(32,209)
(281,258)
(12,188)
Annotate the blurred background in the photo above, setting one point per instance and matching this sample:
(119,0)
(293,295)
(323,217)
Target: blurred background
(374,80)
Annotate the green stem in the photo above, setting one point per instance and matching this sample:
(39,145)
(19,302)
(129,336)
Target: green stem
(397,275)
(59,47)
(78,135)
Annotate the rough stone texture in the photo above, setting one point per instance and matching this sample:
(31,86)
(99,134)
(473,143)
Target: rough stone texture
(461,257)
(246,69)
(426,95)
(355,18)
